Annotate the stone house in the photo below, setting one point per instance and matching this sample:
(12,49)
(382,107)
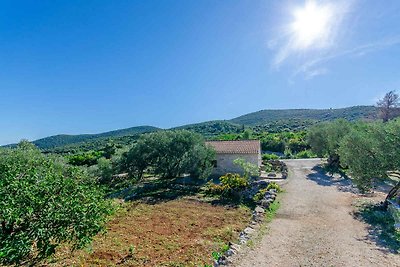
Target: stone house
(228,151)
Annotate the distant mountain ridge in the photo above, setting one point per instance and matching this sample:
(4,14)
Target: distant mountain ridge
(261,120)
(64,139)
(268,115)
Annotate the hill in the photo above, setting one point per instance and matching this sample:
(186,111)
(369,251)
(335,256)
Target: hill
(66,140)
(212,128)
(269,115)
(260,121)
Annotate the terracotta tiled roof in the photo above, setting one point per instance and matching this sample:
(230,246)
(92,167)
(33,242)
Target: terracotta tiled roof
(236,147)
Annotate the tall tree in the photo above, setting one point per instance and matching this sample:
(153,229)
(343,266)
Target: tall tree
(388,106)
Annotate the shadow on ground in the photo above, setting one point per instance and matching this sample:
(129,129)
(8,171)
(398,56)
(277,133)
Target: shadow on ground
(381,228)
(342,183)
(163,190)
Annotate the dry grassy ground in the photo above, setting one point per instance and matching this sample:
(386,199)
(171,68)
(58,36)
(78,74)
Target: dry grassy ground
(173,233)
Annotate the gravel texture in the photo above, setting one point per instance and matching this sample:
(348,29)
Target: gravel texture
(315,226)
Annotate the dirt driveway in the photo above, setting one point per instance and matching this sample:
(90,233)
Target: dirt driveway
(315,226)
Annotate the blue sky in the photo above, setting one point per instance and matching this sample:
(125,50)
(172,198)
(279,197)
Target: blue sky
(92,66)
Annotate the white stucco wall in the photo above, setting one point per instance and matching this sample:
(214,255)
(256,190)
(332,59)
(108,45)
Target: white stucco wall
(225,162)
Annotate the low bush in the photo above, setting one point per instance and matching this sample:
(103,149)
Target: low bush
(269,156)
(305,154)
(260,194)
(275,186)
(45,203)
(231,183)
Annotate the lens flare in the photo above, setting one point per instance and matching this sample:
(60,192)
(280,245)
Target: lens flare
(311,25)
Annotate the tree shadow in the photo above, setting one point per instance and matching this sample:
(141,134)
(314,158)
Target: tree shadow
(156,191)
(381,228)
(153,191)
(321,177)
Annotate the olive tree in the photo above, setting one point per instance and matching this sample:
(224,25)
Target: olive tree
(169,154)
(44,203)
(371,151)
(324,140)
(360,151)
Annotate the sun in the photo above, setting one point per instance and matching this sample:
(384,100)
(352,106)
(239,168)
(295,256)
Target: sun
(311,25)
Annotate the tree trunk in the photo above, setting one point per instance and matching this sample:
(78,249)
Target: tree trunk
(392,193)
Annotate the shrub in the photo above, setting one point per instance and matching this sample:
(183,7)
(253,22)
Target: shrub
(231,184)
(270,157)
(261,193)
(233,181)
(305,154)
(249,169)
(275,186)
(45,203)
(87,158)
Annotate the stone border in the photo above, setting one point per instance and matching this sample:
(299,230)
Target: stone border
(249,232)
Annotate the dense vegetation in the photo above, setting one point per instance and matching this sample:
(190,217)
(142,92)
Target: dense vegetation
(56,141)
(366,151)
(169,154)
(45,203)
(55,197)
(264,116)
(273,121)
(287,144)
(213,128)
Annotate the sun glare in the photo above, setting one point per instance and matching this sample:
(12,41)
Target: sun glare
(311,25)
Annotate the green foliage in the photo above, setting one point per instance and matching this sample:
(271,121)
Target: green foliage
(53,142)
(169,154)
(266,157)
(288,153)
(233,181)
(382,225)
(45,203)
(212,128)
(305,154)
(231,184)
(261,193)
(249,169)
(367,150)
(275,142)
(370,151)
(216,255)
(275,186)
(105,170)
(360,152)
(265,116)
(325,140)
(285,125)
(86,158)
(109,150)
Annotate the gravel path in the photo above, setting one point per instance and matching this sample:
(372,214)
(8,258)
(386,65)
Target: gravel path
(315,226)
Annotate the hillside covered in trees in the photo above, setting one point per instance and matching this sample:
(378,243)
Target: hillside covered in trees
(262,121)
(268,115)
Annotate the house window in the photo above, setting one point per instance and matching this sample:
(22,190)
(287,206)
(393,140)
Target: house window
(214,163)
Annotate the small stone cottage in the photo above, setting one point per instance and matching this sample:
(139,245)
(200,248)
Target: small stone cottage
(228,151)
